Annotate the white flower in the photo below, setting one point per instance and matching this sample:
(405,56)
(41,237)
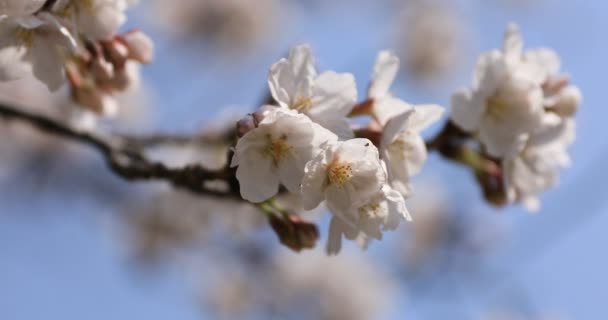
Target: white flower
(35,44)
(385,105)
(560,97)
(536,167)
(346,174)
(383,212)
(506,102)
(277,152)
(95,19)
(19,8)
(326,98)
(402,148)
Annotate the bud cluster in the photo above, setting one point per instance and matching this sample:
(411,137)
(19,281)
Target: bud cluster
(77,40)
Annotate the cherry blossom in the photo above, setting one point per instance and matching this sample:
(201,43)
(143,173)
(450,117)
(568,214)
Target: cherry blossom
(383,212)
(19,8)
(536,167)
(505,103)
(94,19)
(326,98)
(36,44)
(402,146)
(277,152)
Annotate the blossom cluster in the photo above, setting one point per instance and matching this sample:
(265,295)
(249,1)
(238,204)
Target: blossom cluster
(75,40)
(521,110)
(306,144)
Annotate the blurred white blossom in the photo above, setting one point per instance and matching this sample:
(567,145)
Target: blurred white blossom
(18,8)
(536,167)
(34,44)
(506,102)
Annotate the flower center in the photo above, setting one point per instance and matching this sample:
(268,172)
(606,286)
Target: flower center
(340,173)
(370,210)
(87,4)
(400,147)
(25,36)
(302,103)
(497,106)
(277,149)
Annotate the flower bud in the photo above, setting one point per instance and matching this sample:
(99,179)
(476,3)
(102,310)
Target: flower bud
(568,101)
(101,70)
(95,100)
(140,46)
(293,232)
(116,52)
(245,125)
(251,121)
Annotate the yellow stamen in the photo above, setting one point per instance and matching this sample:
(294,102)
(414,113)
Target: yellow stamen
(369,210)
(277,149)
(340,173)
(302,103)
(497,107)
(25,36)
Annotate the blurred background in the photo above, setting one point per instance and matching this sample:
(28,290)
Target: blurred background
(76,242)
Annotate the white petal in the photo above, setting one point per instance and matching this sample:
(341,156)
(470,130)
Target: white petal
(333,93)
(334,240)
(257,179)
(385,71)
(389,107)
(395,126)
(47,62)
(337,229)
(467,110)
(513,43)
(280,87)
(489,70)
(101,19)
(12,53)
(405,160)
(292,77)
(18,8)
(336,124)
(425,116)
(546,58)
(315,175)
(416,157)
(397,209)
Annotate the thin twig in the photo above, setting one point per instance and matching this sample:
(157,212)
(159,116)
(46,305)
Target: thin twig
(130,163)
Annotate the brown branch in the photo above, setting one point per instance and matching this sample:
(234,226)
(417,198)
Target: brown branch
(453,144)
(131,163)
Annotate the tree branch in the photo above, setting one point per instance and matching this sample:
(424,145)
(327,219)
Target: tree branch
(132,163)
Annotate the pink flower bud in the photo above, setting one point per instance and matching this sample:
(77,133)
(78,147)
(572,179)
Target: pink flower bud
(141,47)
(95,100)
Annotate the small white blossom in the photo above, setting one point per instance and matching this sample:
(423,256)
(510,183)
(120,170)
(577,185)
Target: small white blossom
(506,102)
(19,8)
(326,98)
(34,44)
(560,97)
(383,212)
(535,168)
(95,19)
(345,174)
(402,147)
(276,152)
